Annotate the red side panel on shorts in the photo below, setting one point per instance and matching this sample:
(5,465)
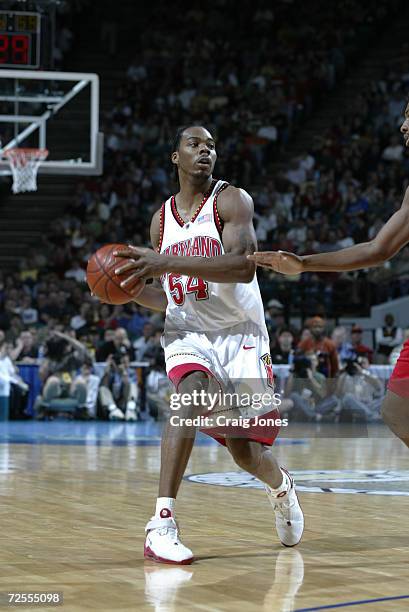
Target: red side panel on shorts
(399,381)
(177,373)
(261,433)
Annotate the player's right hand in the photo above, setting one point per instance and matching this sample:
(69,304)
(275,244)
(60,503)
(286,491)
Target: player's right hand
(279,261)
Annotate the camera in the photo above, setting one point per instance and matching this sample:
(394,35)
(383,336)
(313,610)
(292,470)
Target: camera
(350,366)
(300,366)
(117,357)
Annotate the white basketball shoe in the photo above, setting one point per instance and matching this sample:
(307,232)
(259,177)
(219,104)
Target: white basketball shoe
(289,516)
(162,542)
(130,414)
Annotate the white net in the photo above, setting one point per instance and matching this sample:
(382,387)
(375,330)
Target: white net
(24,165)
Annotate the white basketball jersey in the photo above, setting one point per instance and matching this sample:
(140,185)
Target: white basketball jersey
(195,304)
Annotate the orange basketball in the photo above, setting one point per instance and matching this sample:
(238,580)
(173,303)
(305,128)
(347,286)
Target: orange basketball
(102,280)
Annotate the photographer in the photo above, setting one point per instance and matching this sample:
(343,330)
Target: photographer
(158,389)
(360,392)
(118,392)
(25,349)
(307,388)
(64,356)
(120,343)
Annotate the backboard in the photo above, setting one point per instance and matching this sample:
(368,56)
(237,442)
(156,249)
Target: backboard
(58,111)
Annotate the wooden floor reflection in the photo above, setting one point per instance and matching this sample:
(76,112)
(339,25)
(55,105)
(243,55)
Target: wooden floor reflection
(72,520)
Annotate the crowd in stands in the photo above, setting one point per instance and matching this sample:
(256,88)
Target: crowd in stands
(254,99)
(108,369)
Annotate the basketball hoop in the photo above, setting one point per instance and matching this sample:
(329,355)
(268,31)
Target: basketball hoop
(24,164)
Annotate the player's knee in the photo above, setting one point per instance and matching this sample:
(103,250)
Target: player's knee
(389,411)
(394,408)
(244,455)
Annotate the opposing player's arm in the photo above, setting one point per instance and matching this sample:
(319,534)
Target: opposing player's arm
(390,239)
(153,296)
(239,240)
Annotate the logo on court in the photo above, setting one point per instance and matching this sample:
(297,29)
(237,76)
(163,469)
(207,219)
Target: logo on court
(368,482)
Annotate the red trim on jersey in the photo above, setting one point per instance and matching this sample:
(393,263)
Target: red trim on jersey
(176,214)
(161,227)
(203,202)
(218,221)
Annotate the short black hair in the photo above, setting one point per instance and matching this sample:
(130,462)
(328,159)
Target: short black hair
(176,144)
(178,137)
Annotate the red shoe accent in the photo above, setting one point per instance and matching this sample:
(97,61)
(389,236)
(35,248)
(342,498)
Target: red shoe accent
(247,348)
(149,554)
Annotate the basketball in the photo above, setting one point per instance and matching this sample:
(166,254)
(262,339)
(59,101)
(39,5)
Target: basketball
(102,280)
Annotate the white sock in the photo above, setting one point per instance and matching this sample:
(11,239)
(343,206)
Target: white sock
(284,486)
(163,504)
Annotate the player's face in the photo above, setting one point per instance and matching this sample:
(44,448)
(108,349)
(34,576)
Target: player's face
(197,153)
(404,128)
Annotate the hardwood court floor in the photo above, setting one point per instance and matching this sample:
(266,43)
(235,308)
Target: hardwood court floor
(74,500)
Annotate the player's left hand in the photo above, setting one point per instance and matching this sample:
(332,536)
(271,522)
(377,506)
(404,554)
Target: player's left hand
(146,263)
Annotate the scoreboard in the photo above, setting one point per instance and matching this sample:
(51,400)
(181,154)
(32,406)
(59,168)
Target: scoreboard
(20,39)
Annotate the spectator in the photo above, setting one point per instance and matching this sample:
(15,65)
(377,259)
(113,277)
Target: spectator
(26,349)
(274,315)
(360,392)
(8,376)
(158,389)
(142,345)
(344,348)
(284,351)
(387,338)
(118,392)
(394,151)
(119,345)
(76,272)
(91,382)
(64,356)
(307,388)
(359,349)
(28,314)
(320,344)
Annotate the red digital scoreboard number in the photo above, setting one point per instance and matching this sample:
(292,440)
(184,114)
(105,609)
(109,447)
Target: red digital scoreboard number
(19,39)
(14,49)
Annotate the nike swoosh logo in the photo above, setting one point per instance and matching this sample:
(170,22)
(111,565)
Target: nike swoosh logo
(247,348)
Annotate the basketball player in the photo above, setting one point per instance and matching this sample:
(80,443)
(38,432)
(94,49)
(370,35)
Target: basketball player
(214,328)
(391,238)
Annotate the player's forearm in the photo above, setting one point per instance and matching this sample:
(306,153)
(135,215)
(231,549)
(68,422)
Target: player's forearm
(364,255)
(152,298)
(229,268)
